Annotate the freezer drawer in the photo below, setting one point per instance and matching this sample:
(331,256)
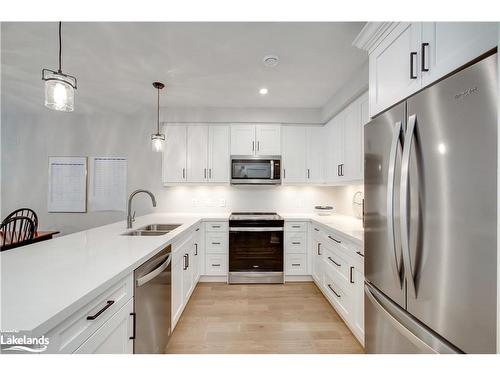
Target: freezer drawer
(391,330)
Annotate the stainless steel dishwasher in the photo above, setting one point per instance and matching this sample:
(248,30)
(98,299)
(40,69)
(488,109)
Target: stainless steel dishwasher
(152,304)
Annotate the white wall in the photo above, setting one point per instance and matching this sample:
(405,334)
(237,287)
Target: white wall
(29,139)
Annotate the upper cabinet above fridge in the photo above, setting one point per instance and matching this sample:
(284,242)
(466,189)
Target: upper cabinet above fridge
(405,57)
(256,140)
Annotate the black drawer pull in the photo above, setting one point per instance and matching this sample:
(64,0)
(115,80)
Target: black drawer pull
(133,329)
(215,226)
(412,58)
(295,243)
(295,226)
(350,275)
(334,262)
(319,248)
(295,264)
(338,241)
(195,249)
(316,229)
(108,305)
(334,292)
(424,47)
(185,262)
(197,229)
(360,254)
(215,265)
(215,243)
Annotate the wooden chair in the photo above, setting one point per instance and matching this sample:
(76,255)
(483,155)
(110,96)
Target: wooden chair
(27,212)
(15,231)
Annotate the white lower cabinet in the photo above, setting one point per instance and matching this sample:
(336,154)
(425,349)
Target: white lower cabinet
(337,270)
(295,248)
(114,336)
(216,248)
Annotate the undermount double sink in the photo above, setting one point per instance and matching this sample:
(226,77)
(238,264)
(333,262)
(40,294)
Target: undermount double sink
(152,230)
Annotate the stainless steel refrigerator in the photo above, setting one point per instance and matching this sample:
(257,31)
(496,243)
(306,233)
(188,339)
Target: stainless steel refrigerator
(431,218)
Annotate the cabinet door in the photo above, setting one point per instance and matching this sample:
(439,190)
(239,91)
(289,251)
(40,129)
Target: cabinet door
(174,156)
(315,154)
(390,74)
(218,154)
(294,154)
(268,139)
(336,147)
(453,44)
(187,272)
(114,336)
(317,262)
(358,316)
(177,280)
(195,261)
(352,168)
(243,139)
(197,153)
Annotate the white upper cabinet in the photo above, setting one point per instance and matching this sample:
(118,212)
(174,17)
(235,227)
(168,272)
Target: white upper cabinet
(267,139)
(335,129)
(197,153)
(407,56)
(394,67)
(175,154)
(254,140)
(242,139)
(294,154)
(218,154)
(448,45)
(315,158)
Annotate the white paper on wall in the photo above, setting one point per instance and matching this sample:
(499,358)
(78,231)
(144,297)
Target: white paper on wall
(108,183)
(67,191)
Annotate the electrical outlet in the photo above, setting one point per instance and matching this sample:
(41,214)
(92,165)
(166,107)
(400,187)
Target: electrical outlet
(222,203)
(210,203)
(195,202)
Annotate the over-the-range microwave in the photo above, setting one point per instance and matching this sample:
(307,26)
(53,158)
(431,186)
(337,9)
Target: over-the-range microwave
(255,170)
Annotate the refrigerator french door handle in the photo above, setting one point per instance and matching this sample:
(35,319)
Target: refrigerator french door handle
(405,176)
(396,265)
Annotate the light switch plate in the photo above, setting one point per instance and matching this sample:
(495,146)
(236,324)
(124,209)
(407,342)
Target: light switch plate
(210,203)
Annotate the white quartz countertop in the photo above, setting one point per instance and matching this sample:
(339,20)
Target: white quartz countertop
(44,283)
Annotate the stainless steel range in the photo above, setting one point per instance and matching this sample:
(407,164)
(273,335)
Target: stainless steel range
(255,248)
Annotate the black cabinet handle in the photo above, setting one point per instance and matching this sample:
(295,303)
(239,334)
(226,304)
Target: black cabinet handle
(308,173)
(360,254)
(215,265)
(197,229)
(316,229)
(215,226)
(295,243)
(412,59)
(338,169)
(424,48)
(334,292)
(185,262)
(295,226)
(334,262)
(338,241)
(319,251)
(133,326)
(350,275)
(108,305)
(215,243)
(295,264)
(195,249)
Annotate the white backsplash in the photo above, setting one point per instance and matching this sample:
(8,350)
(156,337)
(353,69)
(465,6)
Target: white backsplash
(286,199)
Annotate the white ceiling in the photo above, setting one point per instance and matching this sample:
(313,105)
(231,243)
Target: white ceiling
(203,64)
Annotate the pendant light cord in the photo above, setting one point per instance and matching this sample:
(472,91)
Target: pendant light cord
(158,113)
(60,48)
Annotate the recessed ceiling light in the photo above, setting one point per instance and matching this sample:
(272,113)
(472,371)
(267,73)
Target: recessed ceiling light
(271,60)
(263,91)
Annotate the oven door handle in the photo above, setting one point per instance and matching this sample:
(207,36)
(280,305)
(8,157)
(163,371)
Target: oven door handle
(256,229)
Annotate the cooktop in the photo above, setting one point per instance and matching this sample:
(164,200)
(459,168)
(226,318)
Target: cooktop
(255,216)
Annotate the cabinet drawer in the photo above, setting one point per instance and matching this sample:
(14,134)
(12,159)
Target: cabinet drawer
(335,292)
(216,264)
(72,332)
(216,242)
(296,264)
(216,226)
(336,264)
(295,226)
(296,242)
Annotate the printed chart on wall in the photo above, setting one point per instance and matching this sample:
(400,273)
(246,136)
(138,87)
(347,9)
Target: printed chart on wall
(108,183)
(67,184)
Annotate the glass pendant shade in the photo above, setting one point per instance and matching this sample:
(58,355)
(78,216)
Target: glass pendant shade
(157,142)
(59,95)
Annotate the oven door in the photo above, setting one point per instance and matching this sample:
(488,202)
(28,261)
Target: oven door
(255,171)
(255,253)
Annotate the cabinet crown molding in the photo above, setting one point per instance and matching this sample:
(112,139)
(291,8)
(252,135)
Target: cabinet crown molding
(372,34)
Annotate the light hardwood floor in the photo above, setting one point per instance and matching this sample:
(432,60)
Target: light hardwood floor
(289,318)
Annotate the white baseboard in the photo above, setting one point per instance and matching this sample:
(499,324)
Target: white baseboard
(292,279)
(213,279)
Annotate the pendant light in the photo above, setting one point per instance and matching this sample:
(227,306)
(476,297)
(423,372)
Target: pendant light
(158,139)
(59,87)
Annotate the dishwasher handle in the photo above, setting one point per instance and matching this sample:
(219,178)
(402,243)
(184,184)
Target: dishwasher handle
(150,276)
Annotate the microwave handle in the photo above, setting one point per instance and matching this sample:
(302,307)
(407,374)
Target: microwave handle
(272,169)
